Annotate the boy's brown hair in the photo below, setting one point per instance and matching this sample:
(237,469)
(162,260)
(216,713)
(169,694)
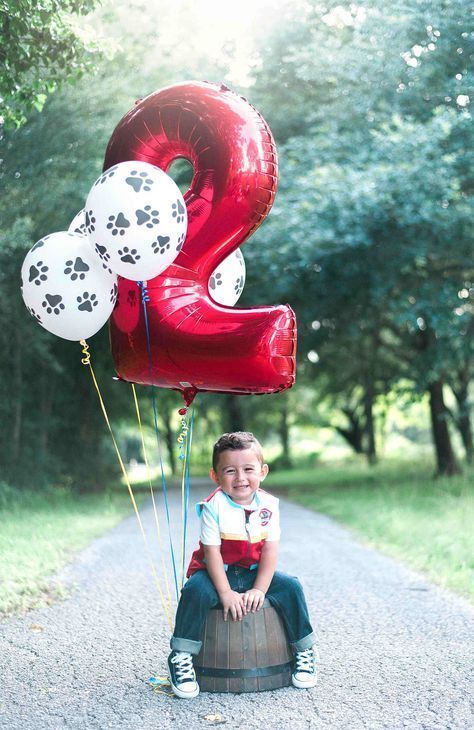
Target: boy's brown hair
(236,441)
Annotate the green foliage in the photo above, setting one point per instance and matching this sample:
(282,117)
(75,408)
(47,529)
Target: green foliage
(373,218)
(369,239)
(40,49)
(396,508)
(58,524)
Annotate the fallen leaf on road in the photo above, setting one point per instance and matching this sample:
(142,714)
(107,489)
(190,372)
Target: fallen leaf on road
(216,719)
(36,628)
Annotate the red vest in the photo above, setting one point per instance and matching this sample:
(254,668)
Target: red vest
(239,531)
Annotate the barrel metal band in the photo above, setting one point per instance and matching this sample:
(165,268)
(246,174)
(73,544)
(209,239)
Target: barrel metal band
(233,673)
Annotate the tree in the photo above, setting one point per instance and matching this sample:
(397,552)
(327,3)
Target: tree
(373,218)
(40,49)
(50,414)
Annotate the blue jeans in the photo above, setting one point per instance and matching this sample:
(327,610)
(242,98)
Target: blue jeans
(198,595)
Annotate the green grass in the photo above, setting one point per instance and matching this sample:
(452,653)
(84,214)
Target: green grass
(40,533)
(399,509)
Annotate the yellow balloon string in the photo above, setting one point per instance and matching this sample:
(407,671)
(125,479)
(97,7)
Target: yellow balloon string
(183,443)
(155,511)
(86,360)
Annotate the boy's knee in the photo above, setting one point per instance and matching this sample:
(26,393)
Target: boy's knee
(289,583)
(294,584)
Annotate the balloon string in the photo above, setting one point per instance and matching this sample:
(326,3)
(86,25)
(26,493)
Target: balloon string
(145,298)
(86,360)
(185,490)
(155,511)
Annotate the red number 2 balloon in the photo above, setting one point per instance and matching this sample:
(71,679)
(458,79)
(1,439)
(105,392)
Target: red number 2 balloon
(195,343)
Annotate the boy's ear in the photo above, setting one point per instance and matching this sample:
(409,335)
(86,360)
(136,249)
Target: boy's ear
(214,476)
(265,470)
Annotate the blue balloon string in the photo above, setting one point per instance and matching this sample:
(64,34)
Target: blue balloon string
(145,299)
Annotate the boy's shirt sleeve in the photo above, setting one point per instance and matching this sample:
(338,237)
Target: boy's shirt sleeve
(210,533)
(273,530)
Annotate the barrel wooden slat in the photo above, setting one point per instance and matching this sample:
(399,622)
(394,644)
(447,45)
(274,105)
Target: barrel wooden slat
(244,656)
(236,652)
(221,684)
(263,654)
(249,659)
(209,646)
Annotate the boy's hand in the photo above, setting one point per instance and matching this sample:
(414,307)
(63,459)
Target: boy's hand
(232,601)
(253,599)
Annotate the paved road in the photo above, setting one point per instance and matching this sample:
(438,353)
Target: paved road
(396,651)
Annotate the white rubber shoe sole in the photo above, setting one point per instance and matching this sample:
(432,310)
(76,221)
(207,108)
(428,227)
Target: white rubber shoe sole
(306,683)
(183,694)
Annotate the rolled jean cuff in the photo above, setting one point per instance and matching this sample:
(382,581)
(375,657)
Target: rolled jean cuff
(305,643)
(188,645)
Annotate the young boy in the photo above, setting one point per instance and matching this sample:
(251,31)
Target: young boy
(235,564)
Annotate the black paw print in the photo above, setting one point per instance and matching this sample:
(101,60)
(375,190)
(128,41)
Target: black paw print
(239,285)
(77,269)
(38,273)
(107,269)
(87,302)
(118,223)
(40,243)
(148,216)
(161,244)
(129,256)
(215,281)
(137,182)
(80,230)
(34,314)
(53,303)
(103,253)
(114,293)
(108,173)
(180,242)
(90,221)
(132,297)
(178,211)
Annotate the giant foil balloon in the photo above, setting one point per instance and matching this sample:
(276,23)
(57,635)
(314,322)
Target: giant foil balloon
(136,219)
(197,344)
(66,288)
(227,282)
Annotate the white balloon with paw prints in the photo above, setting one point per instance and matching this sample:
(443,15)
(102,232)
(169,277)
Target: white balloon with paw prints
(78,223)
(66,288)
(136,219)
(226,283)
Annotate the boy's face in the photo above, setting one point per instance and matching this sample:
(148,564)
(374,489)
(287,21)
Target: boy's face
(239,473)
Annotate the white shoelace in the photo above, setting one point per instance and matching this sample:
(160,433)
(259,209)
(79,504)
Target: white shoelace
(305,661)
(184,667)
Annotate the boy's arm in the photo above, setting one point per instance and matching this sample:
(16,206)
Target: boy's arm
(231,600)
(253,599)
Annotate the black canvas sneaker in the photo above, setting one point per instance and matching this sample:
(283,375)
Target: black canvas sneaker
(305,672)
(182,675)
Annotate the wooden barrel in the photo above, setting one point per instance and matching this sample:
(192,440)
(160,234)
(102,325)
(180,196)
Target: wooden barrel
(251,655)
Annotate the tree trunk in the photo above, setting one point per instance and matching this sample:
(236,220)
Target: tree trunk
(370,451)
(284,433)
(465,429)
(462,418)
(354,433)
(445,458)
(46,401)
(17,382)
